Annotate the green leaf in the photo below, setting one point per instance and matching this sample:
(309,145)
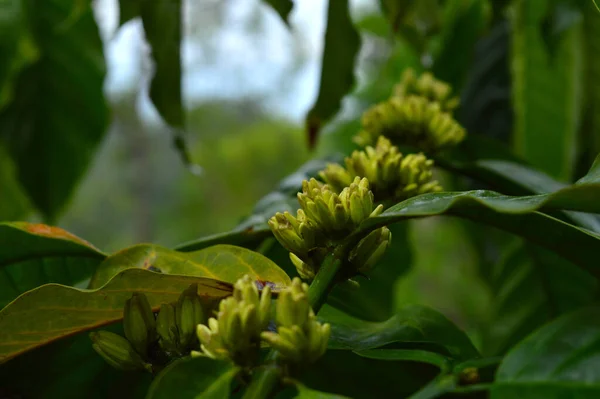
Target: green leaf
(197,378)
(363,376)
(66,368)
(221,262)
(412,325)
(162,24)
(53,311)
(342,43)
(15,204)
(530,287)
(243,237)
(546,91)
(282,7)
(35,254)
(58,115)
(513,214)
(591,124)
(306,393)
(561,360)
(374,300)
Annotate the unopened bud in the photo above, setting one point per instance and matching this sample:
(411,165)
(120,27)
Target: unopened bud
(166,326)
(188,314)
(117,351)
(139,323)
(370,250)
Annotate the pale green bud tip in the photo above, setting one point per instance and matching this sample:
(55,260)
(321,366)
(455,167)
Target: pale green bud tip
(117,351)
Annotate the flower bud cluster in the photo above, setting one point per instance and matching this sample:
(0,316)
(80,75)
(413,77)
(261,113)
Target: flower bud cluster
(325,218)
(300,338)
(392,175)
(236,331)
(426,85)
(411,120)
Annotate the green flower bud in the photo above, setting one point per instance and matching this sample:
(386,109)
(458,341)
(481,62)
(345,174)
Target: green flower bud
(188,314)
(370,250)
(235,333)
(139,323)
(117,351)
(411,120)
(300,338)
(305,270)
(166,327)
(337,215)
(426,85)
(391,175)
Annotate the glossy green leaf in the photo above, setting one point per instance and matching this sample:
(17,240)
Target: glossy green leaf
(561,360)
(512,214)
(51,144)
(243,237)
(306,393)
(221,262)
(198,378)
(282,7)
(52,311)
(342,43)
(530,287)
(162,25)
(374,299)
(415,355)
(412,325)
(546,90)
(35,254)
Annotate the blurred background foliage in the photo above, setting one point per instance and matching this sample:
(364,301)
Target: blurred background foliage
(107,168)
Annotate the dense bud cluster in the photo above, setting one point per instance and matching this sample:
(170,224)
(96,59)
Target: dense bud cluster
(426,85)
(392,175)
(235,332)
(325,218)
(300,338)
(411,120)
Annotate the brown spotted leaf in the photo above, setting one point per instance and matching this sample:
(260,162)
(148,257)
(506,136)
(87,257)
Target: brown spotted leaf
(35,254)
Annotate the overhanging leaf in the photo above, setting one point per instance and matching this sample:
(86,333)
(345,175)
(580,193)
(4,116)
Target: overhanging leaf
(194,378)
(162,25)
(560,360)
(306,393)
(221,262)
(342,43)
(51,144)
(282,7)
(35,254)
(546,91)
(51,312)
(412,325)
(513,214)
